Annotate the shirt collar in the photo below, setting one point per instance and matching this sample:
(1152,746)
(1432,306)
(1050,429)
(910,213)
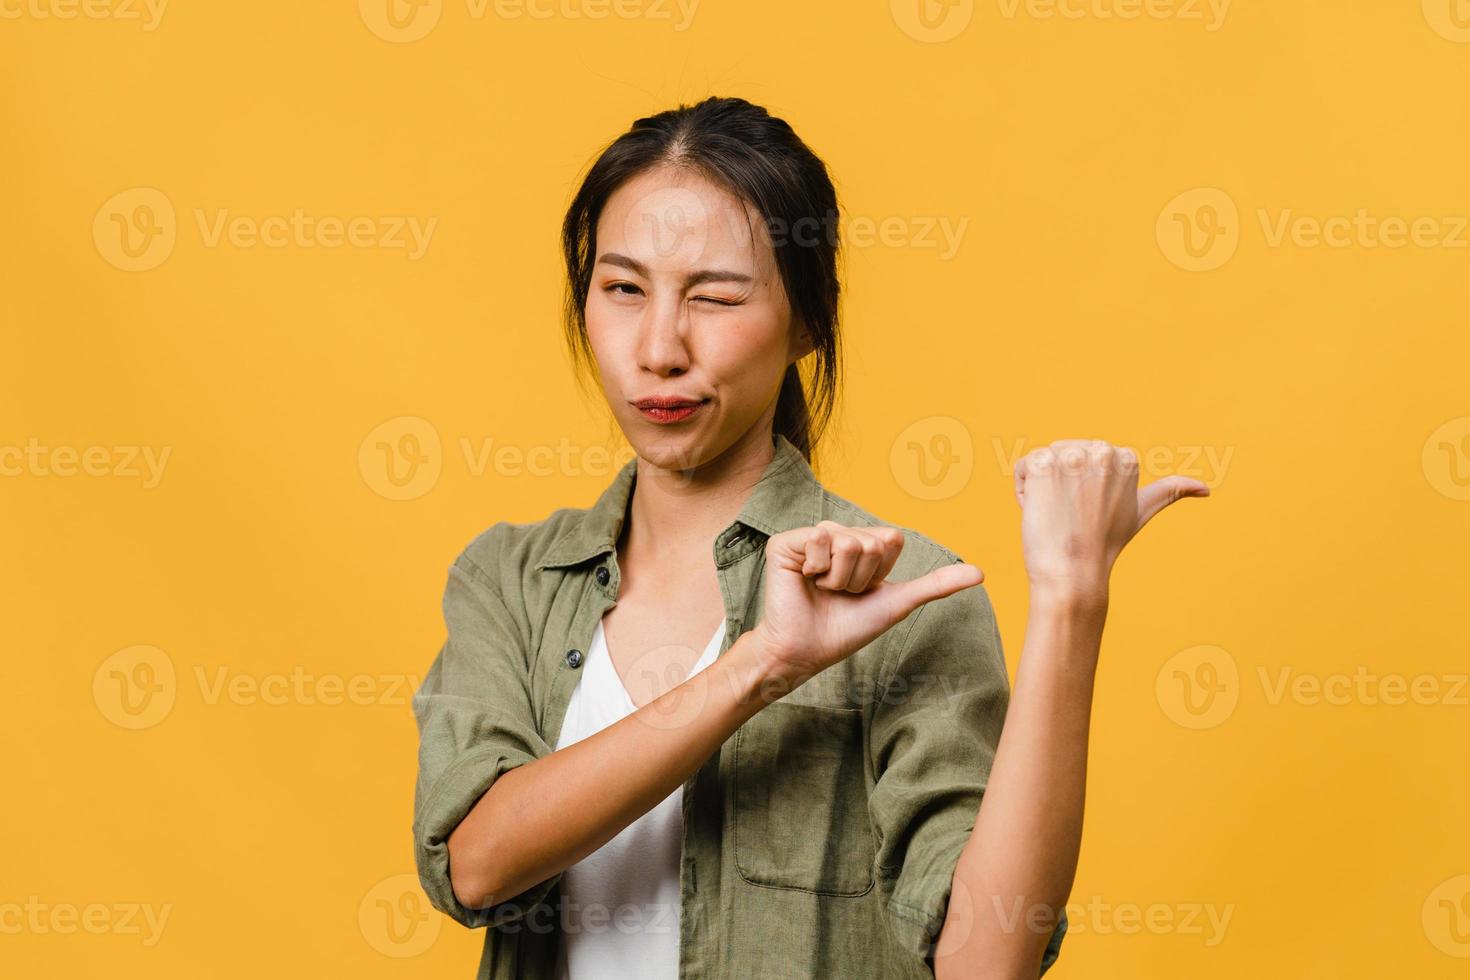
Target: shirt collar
(786,496)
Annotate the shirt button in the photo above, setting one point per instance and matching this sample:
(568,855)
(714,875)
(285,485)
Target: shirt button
(602,575)
(574,658)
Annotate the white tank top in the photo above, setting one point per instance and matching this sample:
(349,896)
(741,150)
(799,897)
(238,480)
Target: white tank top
(620,915)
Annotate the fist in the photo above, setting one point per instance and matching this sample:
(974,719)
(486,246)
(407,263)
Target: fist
(827,593)
(1080,504)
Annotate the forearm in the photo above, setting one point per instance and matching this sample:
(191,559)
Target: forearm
(542,817)
(1015,874)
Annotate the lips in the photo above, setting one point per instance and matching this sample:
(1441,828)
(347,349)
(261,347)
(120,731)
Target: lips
(666,409)
(668,401)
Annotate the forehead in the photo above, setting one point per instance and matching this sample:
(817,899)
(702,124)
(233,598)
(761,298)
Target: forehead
(676,220)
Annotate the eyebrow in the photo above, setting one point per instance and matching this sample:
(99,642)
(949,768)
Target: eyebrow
(693,279)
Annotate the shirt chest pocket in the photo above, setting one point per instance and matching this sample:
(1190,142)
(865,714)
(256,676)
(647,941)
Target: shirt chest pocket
(800,807)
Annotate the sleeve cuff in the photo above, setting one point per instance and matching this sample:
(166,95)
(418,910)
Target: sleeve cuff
(454,795)
(920,902)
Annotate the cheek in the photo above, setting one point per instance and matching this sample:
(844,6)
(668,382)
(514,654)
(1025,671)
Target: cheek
(748,360)
(606,333)
(745,345)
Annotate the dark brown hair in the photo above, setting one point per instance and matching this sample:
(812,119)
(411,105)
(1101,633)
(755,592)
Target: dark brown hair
(759,159)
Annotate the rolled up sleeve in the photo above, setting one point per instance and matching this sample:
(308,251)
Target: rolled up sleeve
(475,721)
(936,723)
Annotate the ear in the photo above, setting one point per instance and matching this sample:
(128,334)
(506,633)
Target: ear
(801,341)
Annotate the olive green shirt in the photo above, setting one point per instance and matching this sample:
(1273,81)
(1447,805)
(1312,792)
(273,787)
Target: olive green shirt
(820,840)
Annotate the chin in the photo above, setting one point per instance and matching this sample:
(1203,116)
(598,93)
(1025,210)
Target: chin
(672,451)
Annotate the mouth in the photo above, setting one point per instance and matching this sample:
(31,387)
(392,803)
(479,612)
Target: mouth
(664,410)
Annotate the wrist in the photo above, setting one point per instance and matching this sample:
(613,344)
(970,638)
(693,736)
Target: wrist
(1076,586)
(1069,600)
(763,675)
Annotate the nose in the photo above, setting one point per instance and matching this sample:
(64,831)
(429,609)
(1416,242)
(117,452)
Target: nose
(663,340)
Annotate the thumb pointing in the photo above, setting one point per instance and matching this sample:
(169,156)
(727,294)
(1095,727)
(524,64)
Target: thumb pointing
(935,585)
(1161,493)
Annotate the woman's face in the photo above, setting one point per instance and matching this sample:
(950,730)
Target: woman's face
(686,306)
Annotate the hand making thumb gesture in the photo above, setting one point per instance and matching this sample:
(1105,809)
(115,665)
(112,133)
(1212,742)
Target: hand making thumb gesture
(1080,504)
(827,594)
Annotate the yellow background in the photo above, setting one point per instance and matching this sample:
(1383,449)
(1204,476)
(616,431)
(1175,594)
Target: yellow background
(1328,382)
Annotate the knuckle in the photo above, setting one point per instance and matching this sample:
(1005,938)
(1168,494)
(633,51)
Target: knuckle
(1073,458)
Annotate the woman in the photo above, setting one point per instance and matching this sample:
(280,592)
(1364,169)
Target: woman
(725,723)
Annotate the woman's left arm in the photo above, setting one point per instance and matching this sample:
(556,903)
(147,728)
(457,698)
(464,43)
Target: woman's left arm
(1080,504)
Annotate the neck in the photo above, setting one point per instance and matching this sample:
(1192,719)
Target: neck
(681,511)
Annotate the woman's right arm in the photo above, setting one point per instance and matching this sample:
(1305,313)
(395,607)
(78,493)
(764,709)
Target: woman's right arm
(826,597)
(546,815)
